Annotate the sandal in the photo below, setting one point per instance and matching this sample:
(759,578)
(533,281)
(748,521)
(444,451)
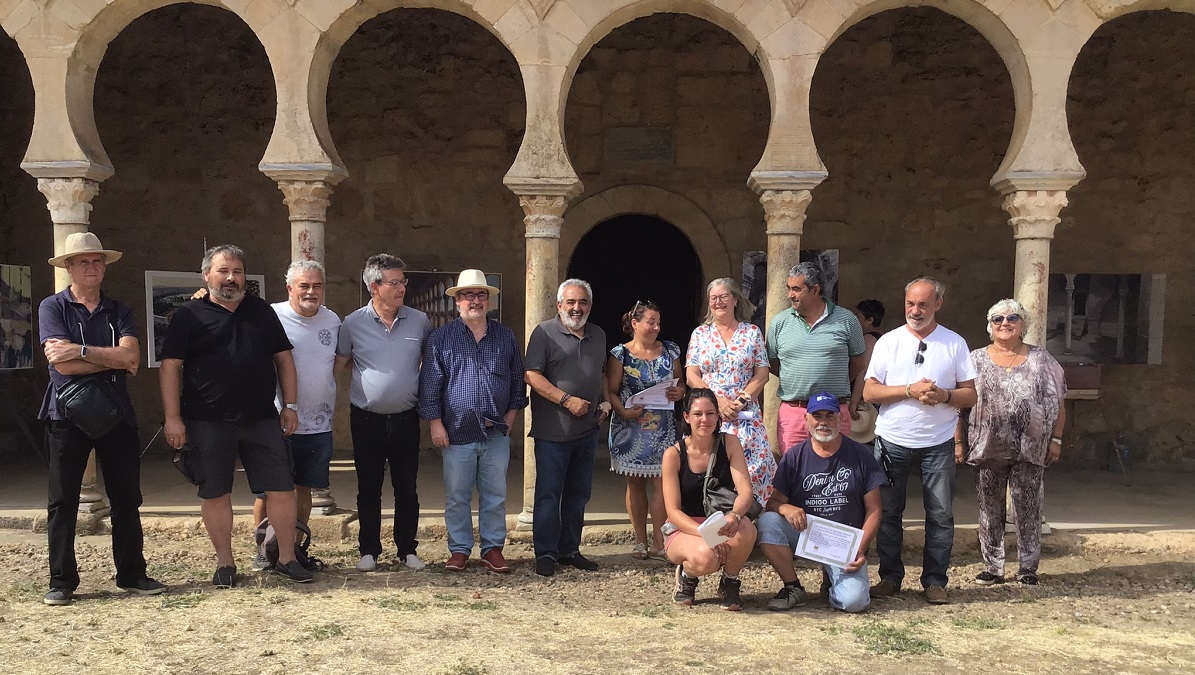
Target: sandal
(639,552)
(658,555)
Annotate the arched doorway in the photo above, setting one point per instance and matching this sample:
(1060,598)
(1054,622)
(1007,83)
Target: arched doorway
(639,257)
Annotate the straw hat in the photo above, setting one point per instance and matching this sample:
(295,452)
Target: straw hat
(80,243)
(470,279)
(863,430)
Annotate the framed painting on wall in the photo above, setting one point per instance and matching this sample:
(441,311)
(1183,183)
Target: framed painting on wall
(16,317)
(425,292)
(755,278)
(166,292)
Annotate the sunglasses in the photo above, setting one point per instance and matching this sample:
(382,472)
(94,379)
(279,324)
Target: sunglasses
(1000,318)
(920,358)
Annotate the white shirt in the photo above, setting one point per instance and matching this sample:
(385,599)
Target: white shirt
(909,422)
(314,339)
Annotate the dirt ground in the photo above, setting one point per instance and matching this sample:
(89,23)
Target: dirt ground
(1107,603)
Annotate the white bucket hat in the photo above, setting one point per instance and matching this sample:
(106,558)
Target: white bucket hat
(470,279)
(863,430)
(80,243)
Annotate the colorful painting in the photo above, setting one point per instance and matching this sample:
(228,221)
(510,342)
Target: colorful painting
(165,292)
(16,317)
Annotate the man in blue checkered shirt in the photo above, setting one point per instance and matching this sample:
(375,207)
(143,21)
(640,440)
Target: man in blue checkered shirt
(470,388)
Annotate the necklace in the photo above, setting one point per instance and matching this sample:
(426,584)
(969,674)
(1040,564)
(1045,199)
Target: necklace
(1008,369)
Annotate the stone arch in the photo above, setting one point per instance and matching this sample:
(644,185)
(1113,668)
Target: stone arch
(651,201)
(998,34)
(98,31)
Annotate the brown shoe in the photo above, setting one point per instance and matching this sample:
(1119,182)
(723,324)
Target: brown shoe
(936,595)
(884,589)
(494,561)
(456,562)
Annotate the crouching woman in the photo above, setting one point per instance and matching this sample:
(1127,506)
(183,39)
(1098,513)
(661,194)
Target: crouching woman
(684,475)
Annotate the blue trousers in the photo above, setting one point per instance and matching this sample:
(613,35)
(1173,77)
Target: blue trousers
(936,465)
(563,483)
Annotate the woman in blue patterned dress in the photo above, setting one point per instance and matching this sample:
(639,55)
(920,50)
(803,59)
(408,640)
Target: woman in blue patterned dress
(727,355)
(638,436)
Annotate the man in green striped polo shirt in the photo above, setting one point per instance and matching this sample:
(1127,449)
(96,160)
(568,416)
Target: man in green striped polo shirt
(813,346)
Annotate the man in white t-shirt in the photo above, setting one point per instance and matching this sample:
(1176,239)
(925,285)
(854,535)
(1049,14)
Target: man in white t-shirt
(312,329)
(920,375)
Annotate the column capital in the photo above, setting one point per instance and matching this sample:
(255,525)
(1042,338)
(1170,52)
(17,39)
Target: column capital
(314,171)
(308,200)
(1034,212)
(763,181)
(543,215)
(1018,181)
(784,210)
(69,199)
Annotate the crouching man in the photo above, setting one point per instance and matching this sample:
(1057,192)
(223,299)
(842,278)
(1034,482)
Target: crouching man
(832,477)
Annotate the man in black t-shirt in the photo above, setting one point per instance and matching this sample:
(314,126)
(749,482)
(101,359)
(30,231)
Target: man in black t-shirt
(222,358)
(832,477)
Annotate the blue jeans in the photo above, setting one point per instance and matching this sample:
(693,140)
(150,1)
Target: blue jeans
(936,464)
(848,590)
(563,483)
(481,464)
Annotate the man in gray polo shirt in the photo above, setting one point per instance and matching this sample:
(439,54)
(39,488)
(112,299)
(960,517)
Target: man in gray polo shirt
(813,346)
(565,359)
(384,343)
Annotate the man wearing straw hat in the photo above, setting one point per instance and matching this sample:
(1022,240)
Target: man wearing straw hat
(470,389)
(85,332)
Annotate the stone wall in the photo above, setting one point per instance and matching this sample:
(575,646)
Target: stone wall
(912,111)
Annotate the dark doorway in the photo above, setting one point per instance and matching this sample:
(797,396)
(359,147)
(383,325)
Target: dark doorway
(637,257)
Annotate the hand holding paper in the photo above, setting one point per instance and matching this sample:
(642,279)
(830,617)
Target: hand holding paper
(828,542)
(654,397)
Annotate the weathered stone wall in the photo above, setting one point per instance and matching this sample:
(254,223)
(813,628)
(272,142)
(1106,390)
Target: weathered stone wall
(912,111)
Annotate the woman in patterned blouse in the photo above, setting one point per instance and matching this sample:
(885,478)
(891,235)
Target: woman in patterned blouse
(1011,435)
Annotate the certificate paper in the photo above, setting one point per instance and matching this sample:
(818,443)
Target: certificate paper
(826,541)
(654,397)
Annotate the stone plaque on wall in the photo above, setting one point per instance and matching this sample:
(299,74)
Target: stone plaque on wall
(639,145)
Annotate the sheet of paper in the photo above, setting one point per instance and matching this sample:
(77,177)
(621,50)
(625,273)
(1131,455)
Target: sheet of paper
(654,397)
(709,529)
(826,541)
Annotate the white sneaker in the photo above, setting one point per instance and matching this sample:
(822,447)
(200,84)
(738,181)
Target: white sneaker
(414,562)
(368,563)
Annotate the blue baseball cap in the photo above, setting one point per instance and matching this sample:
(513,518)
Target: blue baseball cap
(823,401)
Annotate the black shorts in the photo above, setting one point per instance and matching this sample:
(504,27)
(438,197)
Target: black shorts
(260,445)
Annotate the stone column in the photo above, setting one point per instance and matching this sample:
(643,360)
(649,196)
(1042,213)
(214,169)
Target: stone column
(1034,216)
(308,203)
(784,214)
(543,217)
(69,201)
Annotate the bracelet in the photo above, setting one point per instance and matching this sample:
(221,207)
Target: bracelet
(908,393)
(1056,439)
(958,441)
(564,398)
(949,395)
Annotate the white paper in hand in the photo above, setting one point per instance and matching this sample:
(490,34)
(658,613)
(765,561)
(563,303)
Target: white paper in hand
(709,529)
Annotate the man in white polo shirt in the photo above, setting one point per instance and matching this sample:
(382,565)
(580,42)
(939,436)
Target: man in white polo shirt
(920,374)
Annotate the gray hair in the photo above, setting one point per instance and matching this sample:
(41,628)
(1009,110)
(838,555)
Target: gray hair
(939,287)
(303,266)
(380,263)
(226,250)
(743,309)
(811,272)
(579,283)
(1008,306)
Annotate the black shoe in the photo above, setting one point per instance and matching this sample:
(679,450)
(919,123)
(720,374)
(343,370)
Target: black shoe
(143,586)
(580,562)
(686,588)
(545,566)
(988,579)
(788,597)
(294,571)
(58,596)
(729,590)
(1027,578)
(225,577)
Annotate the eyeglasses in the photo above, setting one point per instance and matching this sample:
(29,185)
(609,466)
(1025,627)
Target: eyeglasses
(395,283)
(1000,318)
(474,295)
(725,297)
(920,358)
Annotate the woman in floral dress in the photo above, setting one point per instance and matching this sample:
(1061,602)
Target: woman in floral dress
(638,436)
(727,355)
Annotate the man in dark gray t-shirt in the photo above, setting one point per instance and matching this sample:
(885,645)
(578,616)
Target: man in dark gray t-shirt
(565,359)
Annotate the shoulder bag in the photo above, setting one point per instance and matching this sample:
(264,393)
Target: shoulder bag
(721,498)
(91,402)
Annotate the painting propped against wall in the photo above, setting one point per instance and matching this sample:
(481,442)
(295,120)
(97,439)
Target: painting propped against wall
(166,292)
(1106,318)
(425,292)
(16,317)
(755,278)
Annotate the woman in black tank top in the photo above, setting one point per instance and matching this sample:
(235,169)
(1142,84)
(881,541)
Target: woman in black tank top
(684,468)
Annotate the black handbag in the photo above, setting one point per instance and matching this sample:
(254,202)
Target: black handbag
(91,402)
(721,498)
(188,461)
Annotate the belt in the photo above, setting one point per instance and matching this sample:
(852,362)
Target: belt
(804,402)
(406,413)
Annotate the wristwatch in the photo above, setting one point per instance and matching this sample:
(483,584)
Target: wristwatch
(82,351)
(292,406)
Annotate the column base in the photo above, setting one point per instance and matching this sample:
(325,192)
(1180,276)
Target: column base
(525,521)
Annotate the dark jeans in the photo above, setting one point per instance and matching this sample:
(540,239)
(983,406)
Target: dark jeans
(378,439)
(563,483)
(936,465)
(119,457)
